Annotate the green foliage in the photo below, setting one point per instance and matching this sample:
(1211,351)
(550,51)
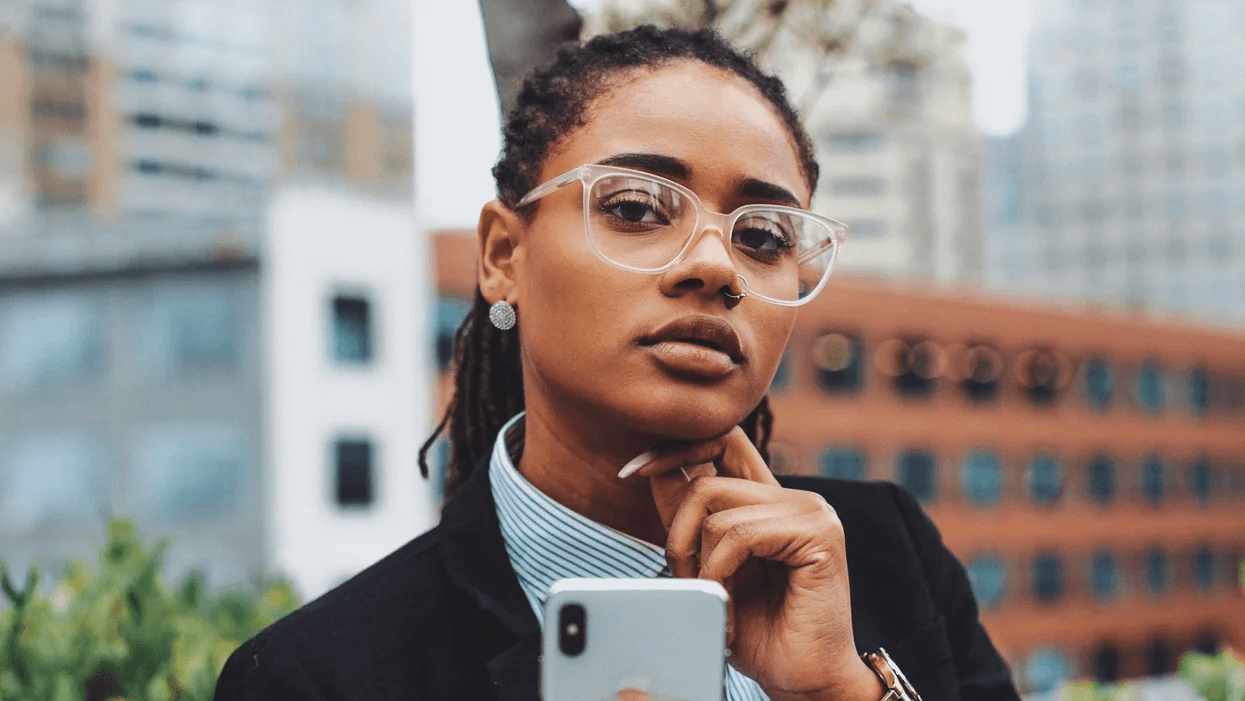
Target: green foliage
(1215,677)
(120,633)
(1095,691)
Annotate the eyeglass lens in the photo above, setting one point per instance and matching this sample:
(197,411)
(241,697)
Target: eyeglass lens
(645,224)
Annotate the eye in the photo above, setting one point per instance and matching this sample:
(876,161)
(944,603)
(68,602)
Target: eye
(634,211)
(634,207)
(763,234)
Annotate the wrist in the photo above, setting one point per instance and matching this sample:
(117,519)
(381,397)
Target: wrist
(857,683)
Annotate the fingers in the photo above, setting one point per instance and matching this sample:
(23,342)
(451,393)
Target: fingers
(702,498)
(714,511)
(732,454)
(796,542)
(672,457)
(669,490)
(741,459)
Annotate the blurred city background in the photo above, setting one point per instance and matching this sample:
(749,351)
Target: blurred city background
(236,239)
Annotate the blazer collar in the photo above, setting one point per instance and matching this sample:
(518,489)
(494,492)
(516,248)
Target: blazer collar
(477,562)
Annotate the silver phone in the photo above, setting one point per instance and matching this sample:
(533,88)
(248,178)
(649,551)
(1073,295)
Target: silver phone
(656,639)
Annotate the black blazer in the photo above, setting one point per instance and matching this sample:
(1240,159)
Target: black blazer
(444,617)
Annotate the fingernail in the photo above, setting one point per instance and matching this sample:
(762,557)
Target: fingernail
(636,463)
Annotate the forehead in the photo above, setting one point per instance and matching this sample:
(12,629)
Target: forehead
(715,121)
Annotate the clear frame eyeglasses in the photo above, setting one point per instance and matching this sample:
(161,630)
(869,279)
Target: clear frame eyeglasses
(646,223)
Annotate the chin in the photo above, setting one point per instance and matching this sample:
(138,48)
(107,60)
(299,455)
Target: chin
(691,418)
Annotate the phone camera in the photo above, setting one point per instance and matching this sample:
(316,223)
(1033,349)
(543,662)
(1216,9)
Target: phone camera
(572,629)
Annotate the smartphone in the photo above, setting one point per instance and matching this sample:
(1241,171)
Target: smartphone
(634,640)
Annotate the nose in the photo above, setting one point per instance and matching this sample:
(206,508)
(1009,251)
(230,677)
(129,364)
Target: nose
(706,268)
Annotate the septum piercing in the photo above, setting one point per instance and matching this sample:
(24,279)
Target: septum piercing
(743,294)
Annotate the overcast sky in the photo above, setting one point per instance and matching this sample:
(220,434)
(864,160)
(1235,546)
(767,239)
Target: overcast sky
(457,123)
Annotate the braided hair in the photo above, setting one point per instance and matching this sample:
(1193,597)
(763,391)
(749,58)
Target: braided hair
(553,102)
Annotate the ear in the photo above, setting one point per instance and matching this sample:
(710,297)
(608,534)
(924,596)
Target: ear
(500,232)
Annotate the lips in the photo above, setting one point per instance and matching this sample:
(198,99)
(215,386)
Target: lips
(710,332)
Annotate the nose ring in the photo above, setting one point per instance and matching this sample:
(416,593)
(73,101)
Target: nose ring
(741,295)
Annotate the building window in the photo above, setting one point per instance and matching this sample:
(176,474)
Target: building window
(1104,575)
(1098,382)
(917,472)
(982,478)
(50,339)
(1044,479)
(1208,643)
(1047,578)
(843,464)
(190,331)
(1150,388)
(838,360)
(1159,659)
(189,470)
(1157,574)
(1101,479)
(1046,670)
(1172,115)
(354,473)
(1107,664)
(1204,568)
(352,330)
(1129,118)
(1128,76)
(1201,481)
(1042,376)
(52,480)
(988,577)
(980,366)
(1153,480)
(914,364)
(903,84)
(450,314)
(1199,391)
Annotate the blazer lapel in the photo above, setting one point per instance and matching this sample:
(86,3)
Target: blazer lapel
(477,562)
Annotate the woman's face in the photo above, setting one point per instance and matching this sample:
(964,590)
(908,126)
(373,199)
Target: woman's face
(643,352)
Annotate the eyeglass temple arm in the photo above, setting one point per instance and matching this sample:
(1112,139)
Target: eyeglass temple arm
(814,252)
(541,191)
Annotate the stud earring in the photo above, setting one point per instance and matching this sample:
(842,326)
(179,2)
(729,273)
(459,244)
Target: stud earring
(502,315)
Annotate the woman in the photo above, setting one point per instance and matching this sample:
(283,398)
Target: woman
(609,417)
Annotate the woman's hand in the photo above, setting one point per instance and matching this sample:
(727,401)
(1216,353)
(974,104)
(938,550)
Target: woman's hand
(780,555)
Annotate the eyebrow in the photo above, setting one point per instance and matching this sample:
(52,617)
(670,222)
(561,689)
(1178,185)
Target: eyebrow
(760,189)
(654,163)
(676,169)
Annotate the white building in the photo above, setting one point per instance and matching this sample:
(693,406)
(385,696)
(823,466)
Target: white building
(1128,174)
(347,412)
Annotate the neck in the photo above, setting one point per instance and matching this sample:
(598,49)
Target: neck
(582,475)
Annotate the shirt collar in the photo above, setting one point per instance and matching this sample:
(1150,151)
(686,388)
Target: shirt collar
(547,541)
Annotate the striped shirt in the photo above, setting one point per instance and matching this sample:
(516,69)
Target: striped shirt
(547,541)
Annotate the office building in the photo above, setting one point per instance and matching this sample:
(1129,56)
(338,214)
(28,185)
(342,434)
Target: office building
(1128,174)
